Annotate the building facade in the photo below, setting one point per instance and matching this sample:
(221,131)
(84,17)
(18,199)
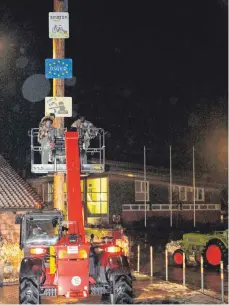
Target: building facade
(16,197)
(120,191)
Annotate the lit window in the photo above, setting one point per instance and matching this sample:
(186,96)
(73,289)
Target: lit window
(175,192)
(183,195)
(189,189)
(138,186)
(141,190)
(50,192)
(81,187)
(199,194)
(97,198)
(179,193)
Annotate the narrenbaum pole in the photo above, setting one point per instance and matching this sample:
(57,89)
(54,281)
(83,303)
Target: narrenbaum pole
(58,90)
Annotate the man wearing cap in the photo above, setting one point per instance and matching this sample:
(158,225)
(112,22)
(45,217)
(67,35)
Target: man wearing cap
(87,131)
(46,138)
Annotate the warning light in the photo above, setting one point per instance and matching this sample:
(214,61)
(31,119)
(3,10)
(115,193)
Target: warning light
(38,251)
(113,249)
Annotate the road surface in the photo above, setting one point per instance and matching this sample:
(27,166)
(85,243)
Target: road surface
(146,291)
(175,274)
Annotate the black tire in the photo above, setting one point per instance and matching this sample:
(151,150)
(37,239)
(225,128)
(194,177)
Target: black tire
(122,289)
(29,290)
(105,299)
(221,247)
(175,260)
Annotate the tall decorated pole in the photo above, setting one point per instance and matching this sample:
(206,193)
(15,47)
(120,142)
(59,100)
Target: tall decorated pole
(58,90)
(59,68)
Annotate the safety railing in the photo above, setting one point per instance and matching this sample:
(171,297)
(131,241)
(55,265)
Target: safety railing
(166,207)
(96,150)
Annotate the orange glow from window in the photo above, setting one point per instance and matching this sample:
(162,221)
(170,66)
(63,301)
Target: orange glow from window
(38,251)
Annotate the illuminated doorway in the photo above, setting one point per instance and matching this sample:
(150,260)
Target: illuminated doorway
(97,200)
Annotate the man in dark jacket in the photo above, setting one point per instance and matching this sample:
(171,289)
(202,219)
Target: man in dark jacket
(87,131)
(46,138)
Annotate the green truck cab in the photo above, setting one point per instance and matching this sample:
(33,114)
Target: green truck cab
(213,247)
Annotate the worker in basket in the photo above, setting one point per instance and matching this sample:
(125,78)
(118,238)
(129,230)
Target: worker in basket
(46,135)
(87,131)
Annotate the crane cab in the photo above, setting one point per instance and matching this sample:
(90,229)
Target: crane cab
(92,155)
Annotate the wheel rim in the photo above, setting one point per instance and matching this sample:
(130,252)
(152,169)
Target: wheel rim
(213,255)
(178,258)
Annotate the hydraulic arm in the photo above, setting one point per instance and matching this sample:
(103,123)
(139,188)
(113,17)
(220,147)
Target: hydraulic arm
(75,206)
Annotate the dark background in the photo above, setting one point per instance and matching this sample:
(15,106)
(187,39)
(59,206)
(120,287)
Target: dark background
(150,73)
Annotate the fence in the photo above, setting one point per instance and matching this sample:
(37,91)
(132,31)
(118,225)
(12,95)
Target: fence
(150,262)
(166,207)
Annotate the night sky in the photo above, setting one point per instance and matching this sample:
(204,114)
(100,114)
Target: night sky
(150,73)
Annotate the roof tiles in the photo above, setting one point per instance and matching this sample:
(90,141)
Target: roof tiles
(15,193)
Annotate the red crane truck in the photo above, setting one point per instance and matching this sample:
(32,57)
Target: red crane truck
(58,261)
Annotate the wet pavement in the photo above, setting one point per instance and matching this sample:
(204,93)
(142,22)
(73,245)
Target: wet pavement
(146,291)
(156,290)
(212,279)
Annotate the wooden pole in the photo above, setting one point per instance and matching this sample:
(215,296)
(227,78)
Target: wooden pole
(58,91)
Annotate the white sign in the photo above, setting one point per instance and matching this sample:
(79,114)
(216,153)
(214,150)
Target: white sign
(60,106)
(76,281)
(72,250)
(59,25)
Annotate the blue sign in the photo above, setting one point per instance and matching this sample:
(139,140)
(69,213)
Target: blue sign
(58,68)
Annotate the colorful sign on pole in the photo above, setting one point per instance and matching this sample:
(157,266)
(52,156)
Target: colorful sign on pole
(60,106)
(58,68)
(58,25)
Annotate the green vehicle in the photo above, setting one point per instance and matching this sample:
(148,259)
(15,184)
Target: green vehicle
(212,247)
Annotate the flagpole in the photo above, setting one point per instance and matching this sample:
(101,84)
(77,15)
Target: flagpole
(145,181)
(170,188)
(194,187)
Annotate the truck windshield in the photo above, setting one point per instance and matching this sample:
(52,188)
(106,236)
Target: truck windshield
(41,232)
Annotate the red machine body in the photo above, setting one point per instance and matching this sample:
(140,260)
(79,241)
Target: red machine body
(75,207)
(63,263)
(72,268)
(72,257)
